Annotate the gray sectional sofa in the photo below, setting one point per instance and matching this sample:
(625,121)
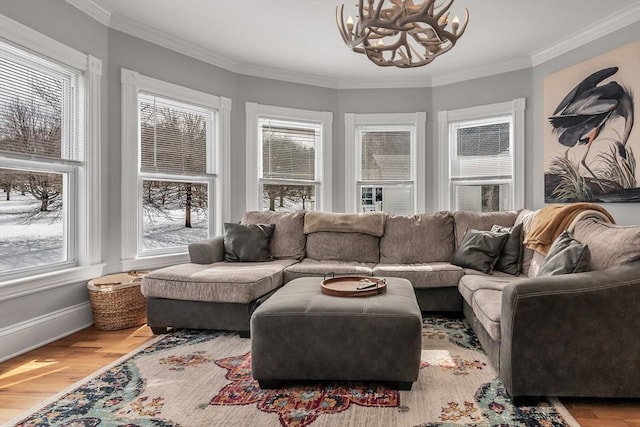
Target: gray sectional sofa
(570,335)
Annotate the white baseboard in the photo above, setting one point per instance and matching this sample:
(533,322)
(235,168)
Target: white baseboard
(33,333)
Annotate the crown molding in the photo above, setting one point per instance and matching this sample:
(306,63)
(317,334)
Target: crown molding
(601,28)
(480,72)
(137,29)
(286,75)
(92,9)
(384,83)
(150,34)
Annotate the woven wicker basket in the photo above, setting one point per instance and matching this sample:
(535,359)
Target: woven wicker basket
(116,301)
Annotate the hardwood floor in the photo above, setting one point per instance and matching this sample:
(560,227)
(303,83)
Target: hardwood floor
(40,374)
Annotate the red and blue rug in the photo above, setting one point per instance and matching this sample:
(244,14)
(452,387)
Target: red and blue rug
(200,378)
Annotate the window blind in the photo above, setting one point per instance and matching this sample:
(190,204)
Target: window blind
(173,135)
(385,154)
(288,149)
(40,109)
(482,149)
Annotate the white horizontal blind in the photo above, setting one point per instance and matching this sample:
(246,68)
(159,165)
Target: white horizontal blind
(385,168)
(288,149)
(385,153)
(482,164)
(40,106)
(482,149)
(173,135)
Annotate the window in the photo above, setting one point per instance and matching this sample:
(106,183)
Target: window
(174,156)
(483,168)
(385,162)
(49,171)
(288,159)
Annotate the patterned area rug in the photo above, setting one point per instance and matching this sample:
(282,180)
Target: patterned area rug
(199,378)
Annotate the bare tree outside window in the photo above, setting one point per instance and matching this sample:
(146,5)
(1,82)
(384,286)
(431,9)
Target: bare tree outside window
(288,153)
(173,141)
(31,209)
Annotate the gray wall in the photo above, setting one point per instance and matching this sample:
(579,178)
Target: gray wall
(117,50)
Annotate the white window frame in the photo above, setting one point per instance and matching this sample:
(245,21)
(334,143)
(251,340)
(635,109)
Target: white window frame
(352,154)
(516,110)
(83,178)
(323,180)
(133,258)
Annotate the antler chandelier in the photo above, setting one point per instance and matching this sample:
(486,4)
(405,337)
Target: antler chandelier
(401,33)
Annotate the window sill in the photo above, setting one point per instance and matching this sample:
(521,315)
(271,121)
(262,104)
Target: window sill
(15,288)
(154,262)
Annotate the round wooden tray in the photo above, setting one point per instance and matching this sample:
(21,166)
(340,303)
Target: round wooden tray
(347,286)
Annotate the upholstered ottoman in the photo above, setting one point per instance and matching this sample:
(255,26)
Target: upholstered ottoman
(301,334)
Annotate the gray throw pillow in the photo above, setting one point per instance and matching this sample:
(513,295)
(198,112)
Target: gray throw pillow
(510,259)
(566,256)
(479,250)
(247,242)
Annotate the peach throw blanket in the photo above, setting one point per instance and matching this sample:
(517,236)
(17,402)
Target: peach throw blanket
(550,221)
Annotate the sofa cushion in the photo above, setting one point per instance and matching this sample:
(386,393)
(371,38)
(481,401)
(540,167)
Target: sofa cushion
(610,245)
(334,246)
(288,238)
(417,238)
(247,242)
(566,256)
(218,282)
(464,220)
(430,275)
(510,258)
(479,250)
(310,267)
(470,283)
(368,223)
(487,306)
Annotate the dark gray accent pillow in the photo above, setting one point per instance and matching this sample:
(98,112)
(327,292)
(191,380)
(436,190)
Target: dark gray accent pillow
(247,242)
(510,259)
(566,256)
(479,250)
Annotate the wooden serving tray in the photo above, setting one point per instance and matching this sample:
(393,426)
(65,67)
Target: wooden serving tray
(347,286)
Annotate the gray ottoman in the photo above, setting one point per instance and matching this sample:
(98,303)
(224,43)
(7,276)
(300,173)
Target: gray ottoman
(301,334)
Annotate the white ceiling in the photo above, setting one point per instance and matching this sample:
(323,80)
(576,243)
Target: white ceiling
(297,40)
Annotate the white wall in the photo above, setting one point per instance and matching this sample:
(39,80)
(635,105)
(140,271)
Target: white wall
(117,50)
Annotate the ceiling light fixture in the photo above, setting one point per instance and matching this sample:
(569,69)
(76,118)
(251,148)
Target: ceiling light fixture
(401,33)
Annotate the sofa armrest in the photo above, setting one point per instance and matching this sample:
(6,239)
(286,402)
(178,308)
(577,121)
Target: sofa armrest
(207,251)
(573,335)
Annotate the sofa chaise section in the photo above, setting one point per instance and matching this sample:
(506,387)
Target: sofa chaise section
(220,295)
(209,293)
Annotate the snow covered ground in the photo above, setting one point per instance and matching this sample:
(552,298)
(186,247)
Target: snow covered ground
(39,242)
(168,231)
(24,244)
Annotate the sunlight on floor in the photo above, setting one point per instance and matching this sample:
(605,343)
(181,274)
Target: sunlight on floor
(30,367)
(440,358)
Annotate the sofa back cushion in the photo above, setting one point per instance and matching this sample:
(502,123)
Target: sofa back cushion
(417,238)
(464,220)
(288,239)
(335,246)
(610,245)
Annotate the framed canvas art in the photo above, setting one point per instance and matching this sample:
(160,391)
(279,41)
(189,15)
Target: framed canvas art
(592,129)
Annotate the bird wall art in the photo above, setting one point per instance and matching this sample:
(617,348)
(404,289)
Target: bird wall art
(591,134)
